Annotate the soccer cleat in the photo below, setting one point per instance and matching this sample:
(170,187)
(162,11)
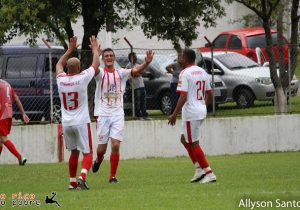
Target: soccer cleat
(96,166)
(113,180)
(22,161)
(209,178)
(72,187)
(82,185)
(199,175)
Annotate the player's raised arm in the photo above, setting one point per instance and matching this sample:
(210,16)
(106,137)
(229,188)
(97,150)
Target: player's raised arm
(138,69)
(95,50)
(62,61)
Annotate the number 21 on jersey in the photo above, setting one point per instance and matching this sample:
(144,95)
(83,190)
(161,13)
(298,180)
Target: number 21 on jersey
(70,100)
(200,90)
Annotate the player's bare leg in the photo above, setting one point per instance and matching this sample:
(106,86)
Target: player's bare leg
(114,160)
(101,150)
(73,165)
(11,147)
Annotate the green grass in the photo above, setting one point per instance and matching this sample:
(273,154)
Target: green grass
(162,183)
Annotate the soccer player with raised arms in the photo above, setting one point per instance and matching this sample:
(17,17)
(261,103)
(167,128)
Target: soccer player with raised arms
(72,88)
(110,88)
(195,94)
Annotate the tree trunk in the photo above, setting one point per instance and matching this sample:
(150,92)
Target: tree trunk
(294,36)
(280,101)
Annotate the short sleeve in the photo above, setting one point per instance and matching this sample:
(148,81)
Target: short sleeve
(182,86)
(125,74)
(88,74)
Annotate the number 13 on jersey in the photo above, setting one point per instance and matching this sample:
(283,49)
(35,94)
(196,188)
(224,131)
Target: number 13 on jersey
(70,100)
(200,90)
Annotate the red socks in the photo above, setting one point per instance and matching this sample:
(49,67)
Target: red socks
(11,147)
(190,152)
(87,162)
(114,161)
(200,157)
(73,164)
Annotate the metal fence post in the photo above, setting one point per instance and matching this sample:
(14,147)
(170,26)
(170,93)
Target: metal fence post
(289,75)
(132,88)
(50,79)
(212,75)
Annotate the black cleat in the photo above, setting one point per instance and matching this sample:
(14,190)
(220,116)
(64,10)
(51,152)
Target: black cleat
(113,180)
(82,185)
(96,166)
(22,161)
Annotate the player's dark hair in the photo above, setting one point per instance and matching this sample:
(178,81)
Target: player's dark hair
(131,55)
(108,50)
(190,55)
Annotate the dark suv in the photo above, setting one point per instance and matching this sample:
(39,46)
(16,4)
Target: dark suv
(157,83)
(27,70)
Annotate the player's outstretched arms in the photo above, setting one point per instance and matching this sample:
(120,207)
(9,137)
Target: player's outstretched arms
(62,61)
(20,106)
(96,53)
(138,69)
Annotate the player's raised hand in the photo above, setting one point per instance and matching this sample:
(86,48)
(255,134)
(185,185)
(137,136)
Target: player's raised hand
(25,118)
(73,43)
(94,44)
(149,56)
(172,119)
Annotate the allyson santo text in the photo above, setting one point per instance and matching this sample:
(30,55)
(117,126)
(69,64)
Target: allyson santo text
(277,203)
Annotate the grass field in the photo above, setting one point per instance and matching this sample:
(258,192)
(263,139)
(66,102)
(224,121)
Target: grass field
(161,183)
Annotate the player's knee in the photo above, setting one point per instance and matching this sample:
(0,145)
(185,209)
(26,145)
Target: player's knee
(115,147)
(182,140)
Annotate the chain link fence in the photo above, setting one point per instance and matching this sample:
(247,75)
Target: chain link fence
(241,86)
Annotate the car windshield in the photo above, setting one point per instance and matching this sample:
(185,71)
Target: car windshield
(260,41)
(235,61)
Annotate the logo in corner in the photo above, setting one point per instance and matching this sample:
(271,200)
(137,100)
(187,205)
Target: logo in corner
(51,200)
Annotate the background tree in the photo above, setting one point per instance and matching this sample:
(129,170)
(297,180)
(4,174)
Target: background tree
(264,10)
(177,20)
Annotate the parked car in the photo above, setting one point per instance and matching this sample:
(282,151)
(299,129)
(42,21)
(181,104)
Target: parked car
(245,41)
(157,84)
(246,81)
(27,70)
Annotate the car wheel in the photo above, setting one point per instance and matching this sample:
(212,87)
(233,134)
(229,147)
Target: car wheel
(165,103)
(245,99)
(56,114)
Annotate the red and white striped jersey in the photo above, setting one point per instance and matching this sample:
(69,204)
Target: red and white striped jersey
(194,81)
(73,96)
(110,88)
(7,94)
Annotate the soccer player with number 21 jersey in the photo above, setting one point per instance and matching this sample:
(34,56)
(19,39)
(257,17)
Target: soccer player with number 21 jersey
(195,93)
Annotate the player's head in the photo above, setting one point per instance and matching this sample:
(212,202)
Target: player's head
(108,57)
(73,65)
(188,57)
(132,57)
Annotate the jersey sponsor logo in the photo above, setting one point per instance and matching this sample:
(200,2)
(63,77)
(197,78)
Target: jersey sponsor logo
(69,83)
(179,84)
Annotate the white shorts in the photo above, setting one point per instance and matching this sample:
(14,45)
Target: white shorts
(110,127)
(191,129)
(78,137)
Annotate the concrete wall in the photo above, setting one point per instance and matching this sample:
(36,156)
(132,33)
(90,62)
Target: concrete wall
(157,139)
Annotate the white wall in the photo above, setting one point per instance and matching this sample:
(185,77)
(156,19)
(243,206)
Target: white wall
(157,139)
